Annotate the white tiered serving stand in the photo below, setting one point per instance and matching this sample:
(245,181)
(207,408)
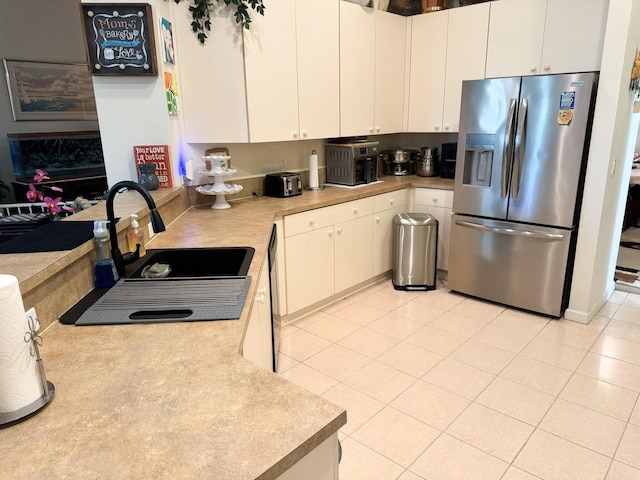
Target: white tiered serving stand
(219,171)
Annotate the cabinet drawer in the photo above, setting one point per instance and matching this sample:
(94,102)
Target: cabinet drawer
(389,200)
(308,221)
(433,197)
(352,210)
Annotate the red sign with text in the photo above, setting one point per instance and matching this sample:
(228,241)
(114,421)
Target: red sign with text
(158,154)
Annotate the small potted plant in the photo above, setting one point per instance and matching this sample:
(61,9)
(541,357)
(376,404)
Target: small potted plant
(202,20)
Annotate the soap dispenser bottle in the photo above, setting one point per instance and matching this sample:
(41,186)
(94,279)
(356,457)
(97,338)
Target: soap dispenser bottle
(135,236)
(106,275)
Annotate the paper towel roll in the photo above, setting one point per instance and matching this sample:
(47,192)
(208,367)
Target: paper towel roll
(313,170)
(20,383)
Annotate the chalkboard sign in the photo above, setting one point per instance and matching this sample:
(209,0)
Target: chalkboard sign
(119,38)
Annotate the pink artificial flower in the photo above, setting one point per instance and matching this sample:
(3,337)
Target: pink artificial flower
(52,204)
(40,175)
(32,194)
(56,189)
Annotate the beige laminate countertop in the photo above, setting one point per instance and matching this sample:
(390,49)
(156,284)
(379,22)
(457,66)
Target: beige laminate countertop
(175,400)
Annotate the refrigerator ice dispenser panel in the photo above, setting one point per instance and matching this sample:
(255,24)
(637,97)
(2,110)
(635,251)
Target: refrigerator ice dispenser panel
(478,159)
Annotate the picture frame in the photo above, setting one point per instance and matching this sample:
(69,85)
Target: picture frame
(169,52)
(119,38)
(50,91)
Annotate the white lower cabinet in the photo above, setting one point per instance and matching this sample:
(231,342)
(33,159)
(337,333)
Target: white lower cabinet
(353,242)
(321,463)
(438,203)
(309,264)
(386,206)
(331,249)
(258,342)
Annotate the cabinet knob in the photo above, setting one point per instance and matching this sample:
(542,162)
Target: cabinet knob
(330,233)
(339,230)
(436,127)
(262,290)
(532,68)
(378,129)
(260,298)
(355,210)
(392,201)
(305,133)
(377,219)
(295,134)
(311,222)
(446,127)
(370,129)
(435,199)
(547,68)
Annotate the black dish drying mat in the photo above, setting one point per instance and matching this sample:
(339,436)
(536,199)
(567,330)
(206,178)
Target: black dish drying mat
(52,237)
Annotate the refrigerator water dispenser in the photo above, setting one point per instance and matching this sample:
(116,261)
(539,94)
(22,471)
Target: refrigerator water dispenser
(478,161)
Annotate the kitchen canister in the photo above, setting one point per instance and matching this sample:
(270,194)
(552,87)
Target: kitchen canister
(24,389)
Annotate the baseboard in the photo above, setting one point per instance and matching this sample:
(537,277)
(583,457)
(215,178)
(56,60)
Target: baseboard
(585,317)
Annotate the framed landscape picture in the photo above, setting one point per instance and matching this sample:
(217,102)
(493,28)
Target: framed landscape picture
(50,91)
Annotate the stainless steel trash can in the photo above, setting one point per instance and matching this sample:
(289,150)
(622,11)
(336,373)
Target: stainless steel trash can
(415,241)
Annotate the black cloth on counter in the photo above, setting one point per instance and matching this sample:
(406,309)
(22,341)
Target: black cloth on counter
(52,237)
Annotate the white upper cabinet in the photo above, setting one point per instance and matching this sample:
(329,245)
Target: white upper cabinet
(212,93)
(292,71)
(391,33)
(428,61)
(318,42)
(447,47)
(466,55)
(535,37)
(357,69)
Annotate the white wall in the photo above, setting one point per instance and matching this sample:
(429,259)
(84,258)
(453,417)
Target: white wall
(37,30)
(609,167)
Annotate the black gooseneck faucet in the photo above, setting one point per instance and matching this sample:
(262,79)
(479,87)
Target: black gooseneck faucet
(120,260)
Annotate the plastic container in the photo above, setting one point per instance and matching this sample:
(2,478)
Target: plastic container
(135,236)
(106,275)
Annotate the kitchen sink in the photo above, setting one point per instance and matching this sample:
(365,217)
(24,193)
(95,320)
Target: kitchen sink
(196,262)
(202,284)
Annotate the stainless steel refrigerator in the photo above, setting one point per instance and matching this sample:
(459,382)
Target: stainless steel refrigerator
(522,151)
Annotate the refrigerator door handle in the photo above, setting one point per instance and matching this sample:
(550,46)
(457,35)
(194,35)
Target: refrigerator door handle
(519,155)
(510,231)
(508,148)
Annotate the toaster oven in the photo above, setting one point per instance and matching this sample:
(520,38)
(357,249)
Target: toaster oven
(352,163)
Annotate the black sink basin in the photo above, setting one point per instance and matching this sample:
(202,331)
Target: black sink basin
(197,262)
(187,265)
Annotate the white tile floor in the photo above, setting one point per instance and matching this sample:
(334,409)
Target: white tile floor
(439,386)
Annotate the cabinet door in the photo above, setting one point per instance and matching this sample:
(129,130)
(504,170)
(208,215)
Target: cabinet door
(426,83)
(516,30)
(391,31)
(309,268)
(357,69)
(271,74)
(466,54)
(439,204)
(317,27)
(577,48)
(258,341)
(213,106)
(353,252)
(383,239)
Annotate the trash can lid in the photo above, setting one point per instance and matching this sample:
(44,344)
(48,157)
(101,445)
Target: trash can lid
(414,219)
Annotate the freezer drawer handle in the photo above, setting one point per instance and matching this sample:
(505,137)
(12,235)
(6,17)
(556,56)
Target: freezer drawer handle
(510,231)
(508,148)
